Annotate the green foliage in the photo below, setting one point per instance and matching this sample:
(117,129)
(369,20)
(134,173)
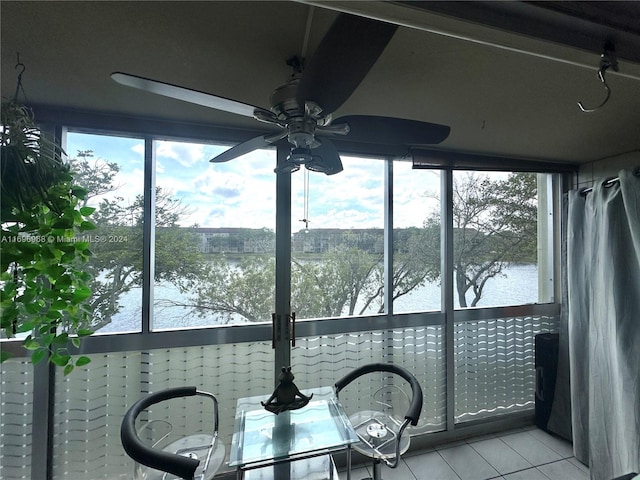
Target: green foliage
(116,266)
(245,289)
(495,223)
(31,161)
(334,284)
(44,287)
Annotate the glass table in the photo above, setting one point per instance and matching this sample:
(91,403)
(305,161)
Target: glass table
(294,444)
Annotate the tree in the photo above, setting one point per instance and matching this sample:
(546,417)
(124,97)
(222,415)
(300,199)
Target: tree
(495,223)
(116,266)
(336,283)
(231,290)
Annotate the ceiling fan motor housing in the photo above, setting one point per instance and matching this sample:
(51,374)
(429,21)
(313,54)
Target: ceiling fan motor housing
(283,100)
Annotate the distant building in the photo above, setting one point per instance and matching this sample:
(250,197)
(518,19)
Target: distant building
(235,240)
(321,240)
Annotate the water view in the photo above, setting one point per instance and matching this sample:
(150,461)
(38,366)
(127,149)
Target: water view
(517,286)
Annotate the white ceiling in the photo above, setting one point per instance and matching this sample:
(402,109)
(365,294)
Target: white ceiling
(497,99)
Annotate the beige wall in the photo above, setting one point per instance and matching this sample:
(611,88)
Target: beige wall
(607,167)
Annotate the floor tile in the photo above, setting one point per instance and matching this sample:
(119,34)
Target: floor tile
(468,463)
(357,474)
(563,470)
(481,437)
(534,451)
(530,474)
(455,443)
(579,464)
(401,472)
(557,444)
(432,464)
(500,456)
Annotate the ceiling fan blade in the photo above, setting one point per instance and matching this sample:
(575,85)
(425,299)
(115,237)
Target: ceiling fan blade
(187,95)
(345,55)
(392,131)
(326,158)
(236,151)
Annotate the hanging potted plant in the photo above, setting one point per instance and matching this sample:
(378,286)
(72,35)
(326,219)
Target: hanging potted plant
(43,286)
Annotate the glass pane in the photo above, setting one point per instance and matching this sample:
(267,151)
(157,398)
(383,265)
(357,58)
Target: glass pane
(337,241)
(416,239)
(215,240)
(500,249)
(112,170)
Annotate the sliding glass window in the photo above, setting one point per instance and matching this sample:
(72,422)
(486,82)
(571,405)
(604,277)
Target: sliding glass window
(214,237)
(500,249)
(337,243)
(416,239)
(112,170)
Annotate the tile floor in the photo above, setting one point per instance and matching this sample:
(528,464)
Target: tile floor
(521,454)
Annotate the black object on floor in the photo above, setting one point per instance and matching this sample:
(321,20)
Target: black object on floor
(546,363)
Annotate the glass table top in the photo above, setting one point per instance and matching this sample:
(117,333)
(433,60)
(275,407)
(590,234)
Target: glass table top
(261,436)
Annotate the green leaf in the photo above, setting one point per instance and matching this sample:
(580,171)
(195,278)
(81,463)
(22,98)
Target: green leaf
(4,355)
(55,271)
(60,359)
(84,226)
(53,315)
(82,361)
(60,339)
(64,223)
(31,344)
(38,356)
(68,369)
(86,211)
(59,305)
(81,246)
(33,307)
(81,294)
(79,192)
(83,332)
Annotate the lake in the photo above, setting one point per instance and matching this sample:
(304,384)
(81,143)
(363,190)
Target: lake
(518,286)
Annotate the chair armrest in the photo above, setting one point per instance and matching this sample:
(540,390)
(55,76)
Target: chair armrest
(413,413)
(178,465)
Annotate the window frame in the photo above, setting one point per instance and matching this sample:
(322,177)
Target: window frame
(150,130)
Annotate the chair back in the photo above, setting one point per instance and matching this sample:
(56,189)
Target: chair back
(179,465)
(415,406)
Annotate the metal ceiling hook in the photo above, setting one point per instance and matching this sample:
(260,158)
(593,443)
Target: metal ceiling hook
(607,60)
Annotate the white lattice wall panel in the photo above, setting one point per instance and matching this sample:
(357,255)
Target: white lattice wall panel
(495,365)
(16,393)
(90,404)
(322,360)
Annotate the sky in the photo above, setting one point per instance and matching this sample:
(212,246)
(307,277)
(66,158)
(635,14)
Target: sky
(241,192)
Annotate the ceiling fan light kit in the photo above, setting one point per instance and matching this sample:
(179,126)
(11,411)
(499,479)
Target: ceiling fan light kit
(302,108)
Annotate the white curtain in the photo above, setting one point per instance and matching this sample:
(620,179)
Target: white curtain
(603,270)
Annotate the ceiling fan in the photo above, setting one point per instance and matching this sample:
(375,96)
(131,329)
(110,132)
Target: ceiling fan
(302,108)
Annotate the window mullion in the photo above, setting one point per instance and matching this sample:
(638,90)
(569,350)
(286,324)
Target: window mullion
(148,233)
(446,247)
(388,237)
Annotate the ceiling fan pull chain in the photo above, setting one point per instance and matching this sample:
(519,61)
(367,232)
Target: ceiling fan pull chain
(306,200)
